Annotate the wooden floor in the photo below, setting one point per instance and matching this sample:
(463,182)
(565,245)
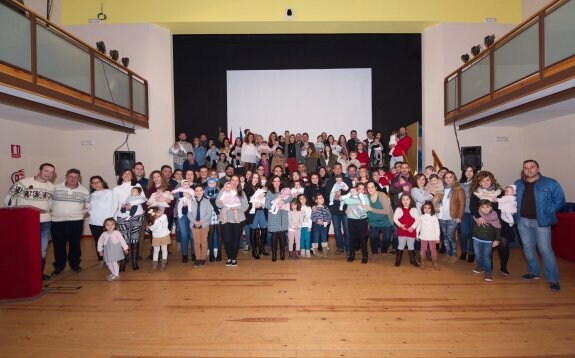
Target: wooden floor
(304,308)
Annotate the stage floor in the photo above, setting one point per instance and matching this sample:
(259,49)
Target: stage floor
(304,308)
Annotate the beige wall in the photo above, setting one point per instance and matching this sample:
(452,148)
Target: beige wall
(150,50)
(552,144)
(39,7)
(530,7)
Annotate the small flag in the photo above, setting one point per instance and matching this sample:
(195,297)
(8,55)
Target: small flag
(231,139)
(241,134)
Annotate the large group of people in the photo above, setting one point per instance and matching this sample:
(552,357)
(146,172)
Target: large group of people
(285,194)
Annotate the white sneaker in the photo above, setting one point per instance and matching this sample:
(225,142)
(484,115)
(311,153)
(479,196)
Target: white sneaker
(113,278)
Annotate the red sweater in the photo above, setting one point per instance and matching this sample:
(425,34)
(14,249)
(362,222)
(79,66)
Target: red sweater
(363,158)
(407,220)
(402,145)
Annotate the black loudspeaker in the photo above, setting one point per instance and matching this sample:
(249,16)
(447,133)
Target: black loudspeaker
(471,156)
(124,160)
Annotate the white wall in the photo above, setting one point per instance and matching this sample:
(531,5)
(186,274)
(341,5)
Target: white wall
(149,48)
(549,142)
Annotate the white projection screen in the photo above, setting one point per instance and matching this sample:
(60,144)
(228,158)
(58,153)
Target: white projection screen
(313,101)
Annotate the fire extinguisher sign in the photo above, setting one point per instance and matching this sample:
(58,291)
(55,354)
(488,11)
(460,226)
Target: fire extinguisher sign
(16,150)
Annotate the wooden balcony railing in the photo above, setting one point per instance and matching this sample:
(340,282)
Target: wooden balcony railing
(537,55)
(47,69)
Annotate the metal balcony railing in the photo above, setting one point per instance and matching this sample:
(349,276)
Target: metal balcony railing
(43,65)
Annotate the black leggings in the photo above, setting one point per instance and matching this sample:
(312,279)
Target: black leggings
(503,250)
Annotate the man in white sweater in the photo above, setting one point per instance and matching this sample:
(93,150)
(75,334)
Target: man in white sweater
(36,191)
(69,207)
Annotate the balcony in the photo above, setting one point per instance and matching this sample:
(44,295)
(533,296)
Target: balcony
(527,75)
(47,71)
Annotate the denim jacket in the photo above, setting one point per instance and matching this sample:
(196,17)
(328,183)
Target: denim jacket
(549,198)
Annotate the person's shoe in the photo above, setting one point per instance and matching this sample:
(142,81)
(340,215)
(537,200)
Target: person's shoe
(470,258)
(392,252)
(154,266)
(163,265)
(246,248)
(488,277)
(184,259)
(364,260)
(445,258)
(196,264)
(234,263)
(101,264)
(113,278)
(463,256)
(504,273)
(530,277)
(46,277)
(452,260)
(77,269)
(555,286)
(229,263)
(56,273)
(477,270)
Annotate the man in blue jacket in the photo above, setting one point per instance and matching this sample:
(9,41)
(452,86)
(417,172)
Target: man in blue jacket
(538,199)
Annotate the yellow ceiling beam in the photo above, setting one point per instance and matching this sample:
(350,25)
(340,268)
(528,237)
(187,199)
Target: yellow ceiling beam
(309,16)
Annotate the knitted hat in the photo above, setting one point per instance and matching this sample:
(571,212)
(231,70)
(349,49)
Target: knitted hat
(212,180)
(512,186)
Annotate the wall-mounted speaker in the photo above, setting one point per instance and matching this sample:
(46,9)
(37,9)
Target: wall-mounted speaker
(124,160)
(471,156)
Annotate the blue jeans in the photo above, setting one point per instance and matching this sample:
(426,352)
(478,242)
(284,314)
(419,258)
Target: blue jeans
(185,234)
(535,237)
(374,239)
(319,233)
(465,233)
(483,252)
(448,230)
(340,221)
(305,242)
(259,220)
(247,230)
(45,237)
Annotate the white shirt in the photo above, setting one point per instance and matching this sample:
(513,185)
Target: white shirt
(101,206)
(445,205)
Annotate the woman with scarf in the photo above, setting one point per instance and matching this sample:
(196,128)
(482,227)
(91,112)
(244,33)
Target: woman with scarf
(484,186)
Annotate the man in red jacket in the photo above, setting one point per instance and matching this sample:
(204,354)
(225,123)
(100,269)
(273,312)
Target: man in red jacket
(403,144)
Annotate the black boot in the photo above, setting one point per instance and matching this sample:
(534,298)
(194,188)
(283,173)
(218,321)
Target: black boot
(463,256)
(282,240)
(44,276)
(351,255)
(134,252)
(398,257)
(274,246)
(471,258)
(412,259)
(254,244)
(123,264)
(262,242)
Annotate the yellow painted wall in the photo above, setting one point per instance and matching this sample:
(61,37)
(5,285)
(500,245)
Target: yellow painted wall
(317,16)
